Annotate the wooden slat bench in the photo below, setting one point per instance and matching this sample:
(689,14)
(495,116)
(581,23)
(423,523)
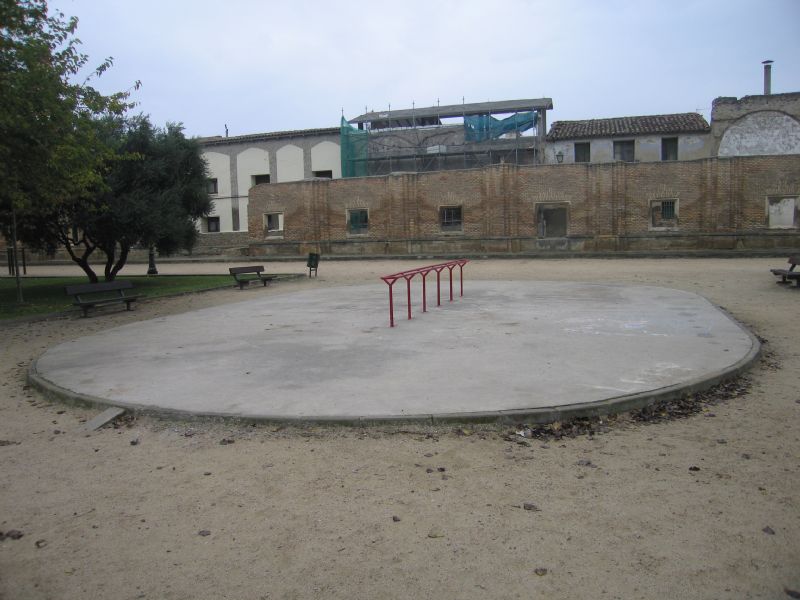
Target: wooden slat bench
(787,274)
(244,275)
(92,295)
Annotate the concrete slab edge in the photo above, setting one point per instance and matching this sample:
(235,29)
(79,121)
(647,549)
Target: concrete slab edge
(539,416)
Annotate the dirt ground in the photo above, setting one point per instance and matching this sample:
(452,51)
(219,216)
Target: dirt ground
(701,507)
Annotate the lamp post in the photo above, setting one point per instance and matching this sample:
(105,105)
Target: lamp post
(560,156)
(151,262)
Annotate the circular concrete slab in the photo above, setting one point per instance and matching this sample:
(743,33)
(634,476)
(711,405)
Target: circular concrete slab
(506,350)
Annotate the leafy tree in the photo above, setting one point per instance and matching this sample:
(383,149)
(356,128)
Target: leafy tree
(50,150)
(153,190)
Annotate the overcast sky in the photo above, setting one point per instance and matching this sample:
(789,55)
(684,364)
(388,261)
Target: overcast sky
(263,65)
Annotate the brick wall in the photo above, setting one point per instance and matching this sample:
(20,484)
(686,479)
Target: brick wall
(721,205)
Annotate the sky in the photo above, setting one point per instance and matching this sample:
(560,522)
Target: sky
(264,65)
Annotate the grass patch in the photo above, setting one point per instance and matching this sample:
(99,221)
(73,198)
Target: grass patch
(45,295)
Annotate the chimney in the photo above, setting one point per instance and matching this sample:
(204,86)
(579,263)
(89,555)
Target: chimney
(767,77)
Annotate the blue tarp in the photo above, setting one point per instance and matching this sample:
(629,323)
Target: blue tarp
(480,128)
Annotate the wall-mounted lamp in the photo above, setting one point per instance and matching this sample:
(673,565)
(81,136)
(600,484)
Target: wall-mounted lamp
(560,156)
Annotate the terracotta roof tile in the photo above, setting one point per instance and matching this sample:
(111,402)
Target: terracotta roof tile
(628,126)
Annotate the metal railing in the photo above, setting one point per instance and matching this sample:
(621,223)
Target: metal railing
(424,272)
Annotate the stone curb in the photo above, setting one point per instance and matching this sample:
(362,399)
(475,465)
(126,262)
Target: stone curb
(538,416)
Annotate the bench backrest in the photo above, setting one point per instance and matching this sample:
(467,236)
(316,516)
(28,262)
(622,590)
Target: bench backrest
(104,286)
(254,269)
(793,260)
(313,260)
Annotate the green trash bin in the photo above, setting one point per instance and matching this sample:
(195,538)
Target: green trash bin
(313,263)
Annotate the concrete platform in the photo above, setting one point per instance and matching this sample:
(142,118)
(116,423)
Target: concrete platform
(534,351)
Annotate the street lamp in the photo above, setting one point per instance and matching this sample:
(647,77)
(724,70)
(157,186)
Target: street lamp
(560,156)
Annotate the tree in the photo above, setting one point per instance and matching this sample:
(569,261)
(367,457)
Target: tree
(50,151)
(153,190)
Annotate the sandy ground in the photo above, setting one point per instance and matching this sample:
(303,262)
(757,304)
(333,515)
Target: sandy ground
(353,513)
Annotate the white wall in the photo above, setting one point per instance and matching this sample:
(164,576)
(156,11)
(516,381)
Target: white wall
(326,156)
(219,168)
(289,163)
(761,133)
(253,161)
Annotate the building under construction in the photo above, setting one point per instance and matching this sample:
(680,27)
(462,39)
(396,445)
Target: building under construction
(437,138)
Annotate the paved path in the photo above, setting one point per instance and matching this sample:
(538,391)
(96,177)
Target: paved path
(533,349)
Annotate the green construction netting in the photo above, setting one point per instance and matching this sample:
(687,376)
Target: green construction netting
(353,150)
(480,128)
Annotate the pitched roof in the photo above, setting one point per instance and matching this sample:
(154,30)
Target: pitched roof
(627,126)
(255,137)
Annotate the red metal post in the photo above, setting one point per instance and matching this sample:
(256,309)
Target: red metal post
(408,290)
(461,276)
(438,288)
(451,282)
(391,305)
(424,292)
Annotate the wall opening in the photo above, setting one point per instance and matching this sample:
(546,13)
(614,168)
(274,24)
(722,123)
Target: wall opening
(357,221)
(664,214)
(782,212)
(551,220)
(273,224)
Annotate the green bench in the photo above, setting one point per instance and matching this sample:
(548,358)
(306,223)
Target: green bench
(244,275)
(94,295)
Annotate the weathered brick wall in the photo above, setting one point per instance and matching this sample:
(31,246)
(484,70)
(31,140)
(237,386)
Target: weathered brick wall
(721,204)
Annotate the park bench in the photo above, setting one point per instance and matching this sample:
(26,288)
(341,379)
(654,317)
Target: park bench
(787,274)
(244,275)
(92,295)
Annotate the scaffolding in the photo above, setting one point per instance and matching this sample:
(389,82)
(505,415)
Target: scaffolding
(420,139)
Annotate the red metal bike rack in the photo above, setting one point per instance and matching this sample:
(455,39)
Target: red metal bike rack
(424,272)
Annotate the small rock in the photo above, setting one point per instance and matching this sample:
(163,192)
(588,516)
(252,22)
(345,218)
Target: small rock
(544,446)
(14,534)
(40,543)
(207,473)
(584,462)
(226,441)
(746,456)
(135,442)
(435,533)
(768,530)
(441,469)
(429,470)
(56,431)
(787,591)
(428,455)
(694,468)
(541,571)
(721,441)
(204,532)
(396,519)
(530,506)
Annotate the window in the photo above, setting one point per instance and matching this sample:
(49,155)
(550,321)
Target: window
(583,152)
(551,220)
(211,186)
(669,148)
(273,223)
(212,224)
(624,150)
(782,212)
(259,179)
(357,221)
(450,218)
(324,174)
(664,214)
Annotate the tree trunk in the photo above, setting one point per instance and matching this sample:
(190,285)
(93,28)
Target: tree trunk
(124,250)
(83,260)
(110,253)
